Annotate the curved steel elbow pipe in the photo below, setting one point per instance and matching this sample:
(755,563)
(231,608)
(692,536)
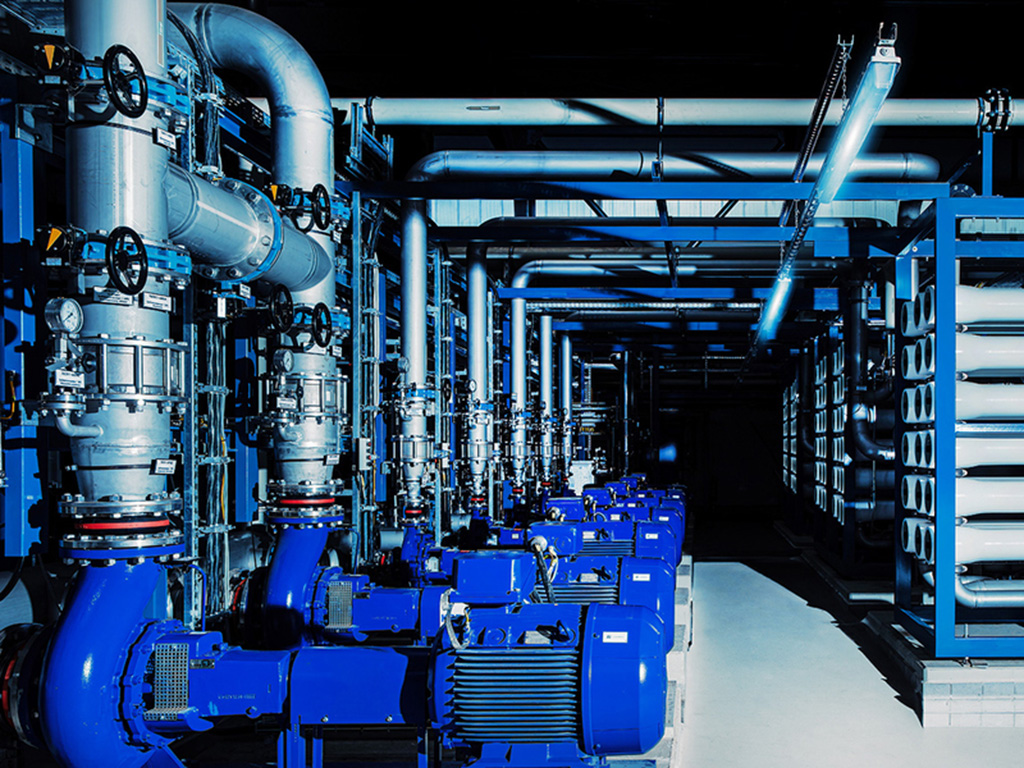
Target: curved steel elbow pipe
(292,565)
(81,681)
(65,427)
(300,107)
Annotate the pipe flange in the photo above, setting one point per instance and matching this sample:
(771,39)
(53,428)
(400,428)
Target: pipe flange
(307,510)
(269,239)
(995,110)
(137,547)
(66,402)
(80,508)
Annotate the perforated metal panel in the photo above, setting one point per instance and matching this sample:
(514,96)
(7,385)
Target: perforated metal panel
(339,605)
(170,680)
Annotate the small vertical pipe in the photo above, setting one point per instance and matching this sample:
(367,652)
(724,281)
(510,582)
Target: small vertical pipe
(565,391)
(546,397)
(627,413)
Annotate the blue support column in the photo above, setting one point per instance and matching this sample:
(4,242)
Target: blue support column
(241,444)
(986,163)
(945,421)
(22,497)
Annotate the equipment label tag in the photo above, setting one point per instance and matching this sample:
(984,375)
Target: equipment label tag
(588,578)
(332,459)
(615,637)
(650,535)
(111,296)
(588,534)
(614,517)
(156,301)
(641,577)
(70,379)
(662,519)
(164,466)
(287,403)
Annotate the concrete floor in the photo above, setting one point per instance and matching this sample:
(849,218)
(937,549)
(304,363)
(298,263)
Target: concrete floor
(775,682)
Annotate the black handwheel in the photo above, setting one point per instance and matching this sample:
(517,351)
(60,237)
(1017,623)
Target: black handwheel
(282,310)
(120,261)
(321,325)
(119,80)
(321,204)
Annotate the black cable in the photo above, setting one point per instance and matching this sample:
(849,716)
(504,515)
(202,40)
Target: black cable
(542,567)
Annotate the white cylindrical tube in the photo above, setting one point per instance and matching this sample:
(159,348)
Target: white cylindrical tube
(990,355)
(918,317)
(989,305)
(989,402)
(989,542)
(919,449)
(918,494)
(989,495)
(908,534)
(989,451)
(917,405)
(924,542)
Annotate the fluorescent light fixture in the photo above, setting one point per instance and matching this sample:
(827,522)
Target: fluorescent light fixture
(860,115)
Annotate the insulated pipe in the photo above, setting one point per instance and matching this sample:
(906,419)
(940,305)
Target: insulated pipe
(585,165)
(303,149)
(644,111)
(115,178)
(989,542)
(989,451)
(231,227)
(858,425)
(546,399)
(478,436)
(565,392)
(983,402)
(414,438)
(80,696)
(295,557)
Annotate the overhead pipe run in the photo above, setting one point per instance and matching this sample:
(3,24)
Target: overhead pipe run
(585,165)
(582,112)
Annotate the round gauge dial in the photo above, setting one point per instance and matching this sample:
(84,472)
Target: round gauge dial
(284,359)
(63,315)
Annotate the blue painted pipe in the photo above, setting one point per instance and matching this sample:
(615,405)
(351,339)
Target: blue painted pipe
(295,558)
(81,675)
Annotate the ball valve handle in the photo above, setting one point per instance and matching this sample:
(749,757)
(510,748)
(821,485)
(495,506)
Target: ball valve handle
(322,327)
(282,309)
(120,260)
(119,79)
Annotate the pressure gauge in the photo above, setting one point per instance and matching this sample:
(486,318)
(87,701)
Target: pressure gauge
(63,315)
(284,359)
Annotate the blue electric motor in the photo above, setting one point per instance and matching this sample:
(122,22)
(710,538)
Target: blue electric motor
(515,684)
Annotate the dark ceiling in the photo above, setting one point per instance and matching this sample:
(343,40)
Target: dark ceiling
(950,48)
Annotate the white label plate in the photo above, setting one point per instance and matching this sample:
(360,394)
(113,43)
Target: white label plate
(156,301)
(112,296)
(615,637)
(641,577)
(588,535)
(164,466)
(70,379)
(650,535)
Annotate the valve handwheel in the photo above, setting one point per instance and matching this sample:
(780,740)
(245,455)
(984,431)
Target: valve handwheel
(321,204)
(119,79)
(321,325)
(120,261)
(282,310)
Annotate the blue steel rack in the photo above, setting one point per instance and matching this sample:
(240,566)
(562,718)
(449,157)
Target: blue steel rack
(946,629)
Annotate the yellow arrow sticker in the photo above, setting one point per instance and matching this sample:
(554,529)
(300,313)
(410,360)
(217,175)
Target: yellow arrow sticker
(49,50)
(55,234)
(273,192)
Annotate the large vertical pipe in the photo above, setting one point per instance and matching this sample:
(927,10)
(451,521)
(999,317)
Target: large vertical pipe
(565,391)
(303,146)
(546,399)
(518,404)
(115,178)
(414,442)
(478,436)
